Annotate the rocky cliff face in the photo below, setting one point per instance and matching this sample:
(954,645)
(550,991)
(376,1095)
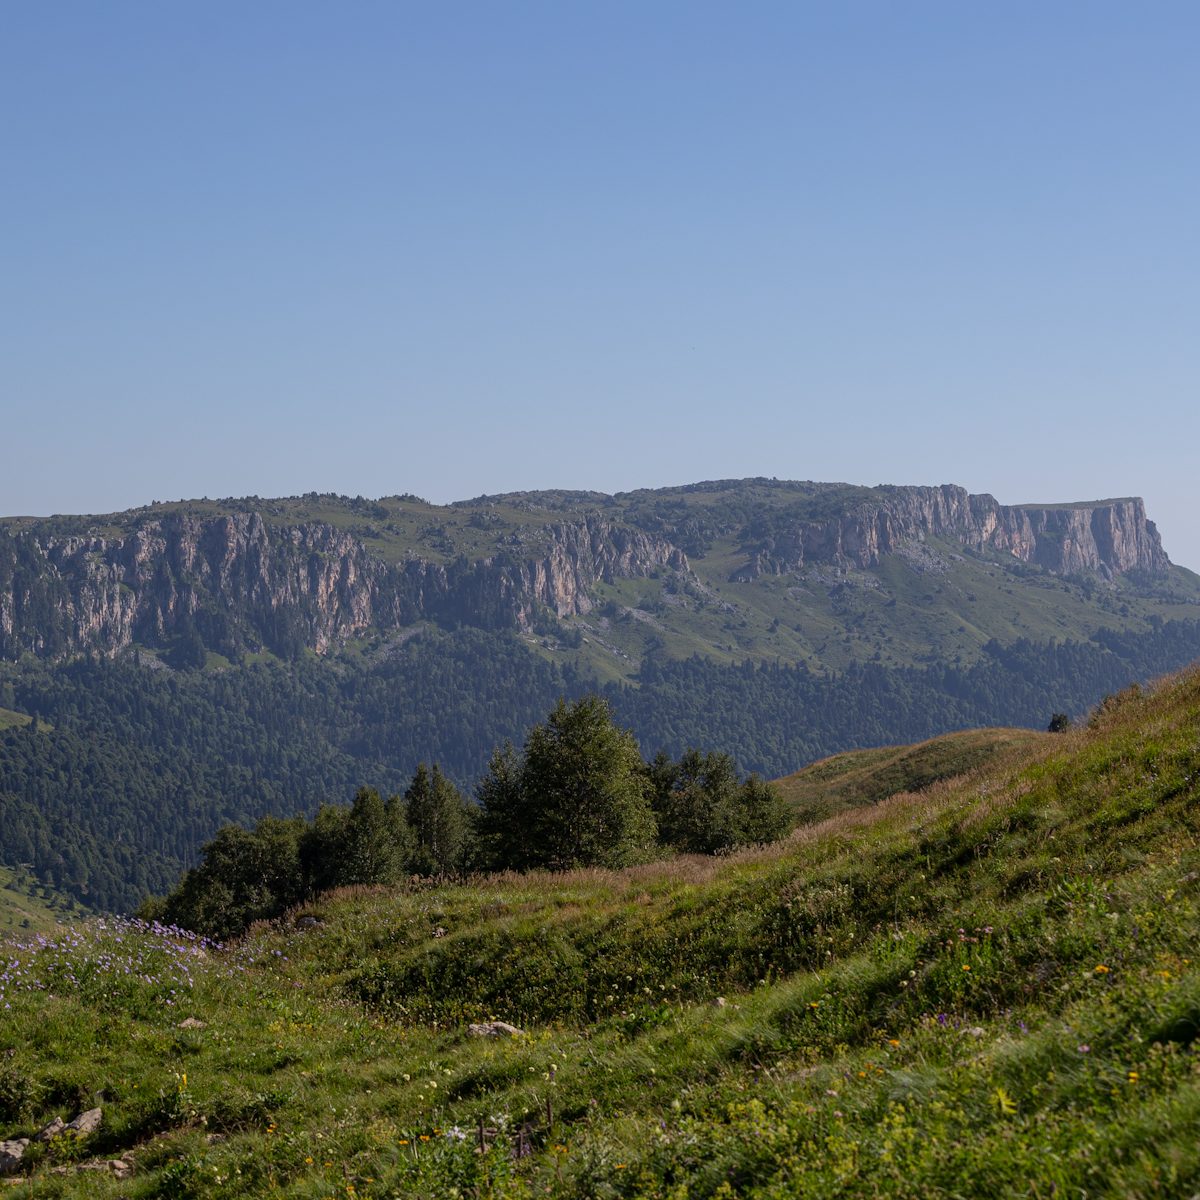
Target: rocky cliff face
(235,583)
(1112,537)
(186,580)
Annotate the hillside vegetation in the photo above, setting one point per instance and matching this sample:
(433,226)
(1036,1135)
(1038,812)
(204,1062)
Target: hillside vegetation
(131,769)
(26,906)
(988,988)
(578,794)
(860,777)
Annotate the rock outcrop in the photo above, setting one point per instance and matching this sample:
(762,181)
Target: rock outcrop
(494,1029)
(233,583)
(11,1154)
(1110,537)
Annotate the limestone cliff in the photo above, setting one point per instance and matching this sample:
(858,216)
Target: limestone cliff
(310,572)
(1110,537)
(237,583)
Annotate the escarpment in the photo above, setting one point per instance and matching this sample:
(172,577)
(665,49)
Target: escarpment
(239,584)
(1110,537)
(309,573)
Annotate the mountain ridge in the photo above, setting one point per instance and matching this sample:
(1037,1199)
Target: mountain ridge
(312,572)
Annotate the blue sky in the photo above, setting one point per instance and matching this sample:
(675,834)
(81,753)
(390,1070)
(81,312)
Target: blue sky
(461,248)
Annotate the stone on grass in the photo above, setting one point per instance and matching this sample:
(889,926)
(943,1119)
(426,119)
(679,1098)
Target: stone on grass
(11,1154)
(87,1122)
(122,1168)
(50,1130)
(494,1029)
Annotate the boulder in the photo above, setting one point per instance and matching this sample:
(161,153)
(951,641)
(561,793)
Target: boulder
(11,1154)
(87,1122)
(50,1130)
(494,1029)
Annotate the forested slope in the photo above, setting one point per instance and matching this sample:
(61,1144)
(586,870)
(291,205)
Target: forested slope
(129,769)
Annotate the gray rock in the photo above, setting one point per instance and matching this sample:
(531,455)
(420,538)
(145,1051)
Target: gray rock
(494,1029)
(122,1168)
(87,1122)
(11,1154)
(51,1130)
(191,1023)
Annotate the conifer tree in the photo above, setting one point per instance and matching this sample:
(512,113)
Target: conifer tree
(501,841)
(438,820)
(378,845)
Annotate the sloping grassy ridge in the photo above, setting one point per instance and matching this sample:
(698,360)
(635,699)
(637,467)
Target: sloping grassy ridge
(867,776)
(986,989)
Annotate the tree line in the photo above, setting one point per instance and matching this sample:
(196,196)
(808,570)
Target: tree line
(577,794)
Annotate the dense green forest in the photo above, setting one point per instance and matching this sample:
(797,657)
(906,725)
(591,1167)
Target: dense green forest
(127,770)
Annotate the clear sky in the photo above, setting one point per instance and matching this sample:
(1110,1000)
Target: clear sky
(454,248)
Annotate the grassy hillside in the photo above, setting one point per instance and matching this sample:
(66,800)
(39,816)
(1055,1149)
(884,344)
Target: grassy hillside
(893,614)
(27,906)
(9,719)
(986,989)
(860,777)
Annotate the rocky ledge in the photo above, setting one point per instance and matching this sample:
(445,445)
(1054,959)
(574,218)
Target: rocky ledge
(234,583)
(1109,537)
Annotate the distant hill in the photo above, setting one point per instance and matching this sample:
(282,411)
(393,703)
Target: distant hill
(27,906)
(824,574)
(860,777)
(195,663)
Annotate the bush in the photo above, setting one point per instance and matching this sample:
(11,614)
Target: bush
(18,1094)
